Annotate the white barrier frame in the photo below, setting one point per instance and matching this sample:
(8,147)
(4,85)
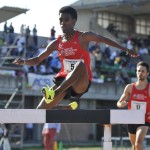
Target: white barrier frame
(41,116)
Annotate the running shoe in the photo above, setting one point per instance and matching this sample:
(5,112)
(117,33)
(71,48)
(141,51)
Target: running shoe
(48,93)
(73,105)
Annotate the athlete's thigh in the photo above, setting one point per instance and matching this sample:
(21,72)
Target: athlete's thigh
(81,86)
(140,133)
(82,83)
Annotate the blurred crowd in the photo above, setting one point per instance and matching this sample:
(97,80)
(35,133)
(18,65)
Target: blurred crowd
(105,61)
(108,61)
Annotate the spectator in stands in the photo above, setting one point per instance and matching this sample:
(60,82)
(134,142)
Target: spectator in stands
(20,44)
(35,38)
(5,27)
(75,77)
(113,55)
(137,97)
(110,27)
(98,57)
(27,34)
(129,43)
(22,30)
(11,34)
(53,32)
(107,52)
(117,61)
(50,131)
(11,28)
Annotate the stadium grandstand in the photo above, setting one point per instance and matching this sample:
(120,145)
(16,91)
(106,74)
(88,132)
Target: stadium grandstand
(124,21)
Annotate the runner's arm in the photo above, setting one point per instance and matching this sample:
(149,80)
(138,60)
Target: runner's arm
(122,101)
(90,36)
(37,59)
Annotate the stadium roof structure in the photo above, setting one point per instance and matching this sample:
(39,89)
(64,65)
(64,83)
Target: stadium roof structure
(7,13)
(126,7)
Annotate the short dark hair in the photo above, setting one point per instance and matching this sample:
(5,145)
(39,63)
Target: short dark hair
(144,64)
(69,10)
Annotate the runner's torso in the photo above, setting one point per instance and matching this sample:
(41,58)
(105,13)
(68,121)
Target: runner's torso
(70,52)
(140,99)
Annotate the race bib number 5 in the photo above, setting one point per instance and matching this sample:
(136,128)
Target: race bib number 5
(135,105)
(69,64)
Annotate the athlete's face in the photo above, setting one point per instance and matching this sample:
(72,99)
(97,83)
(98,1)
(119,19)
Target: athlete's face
(141,73)
(66,22)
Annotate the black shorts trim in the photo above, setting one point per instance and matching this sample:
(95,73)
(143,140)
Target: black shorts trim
(133,127)
(70,92)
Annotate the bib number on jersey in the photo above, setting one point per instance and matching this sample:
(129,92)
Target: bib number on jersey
(69,64)
(135,105)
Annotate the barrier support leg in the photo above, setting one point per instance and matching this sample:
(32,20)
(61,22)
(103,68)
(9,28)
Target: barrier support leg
(107,144)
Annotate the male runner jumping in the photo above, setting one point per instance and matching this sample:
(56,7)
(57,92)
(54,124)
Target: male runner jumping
(75,77)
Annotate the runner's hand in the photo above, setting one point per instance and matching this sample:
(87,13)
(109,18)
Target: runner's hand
(19,61)
(132,53)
